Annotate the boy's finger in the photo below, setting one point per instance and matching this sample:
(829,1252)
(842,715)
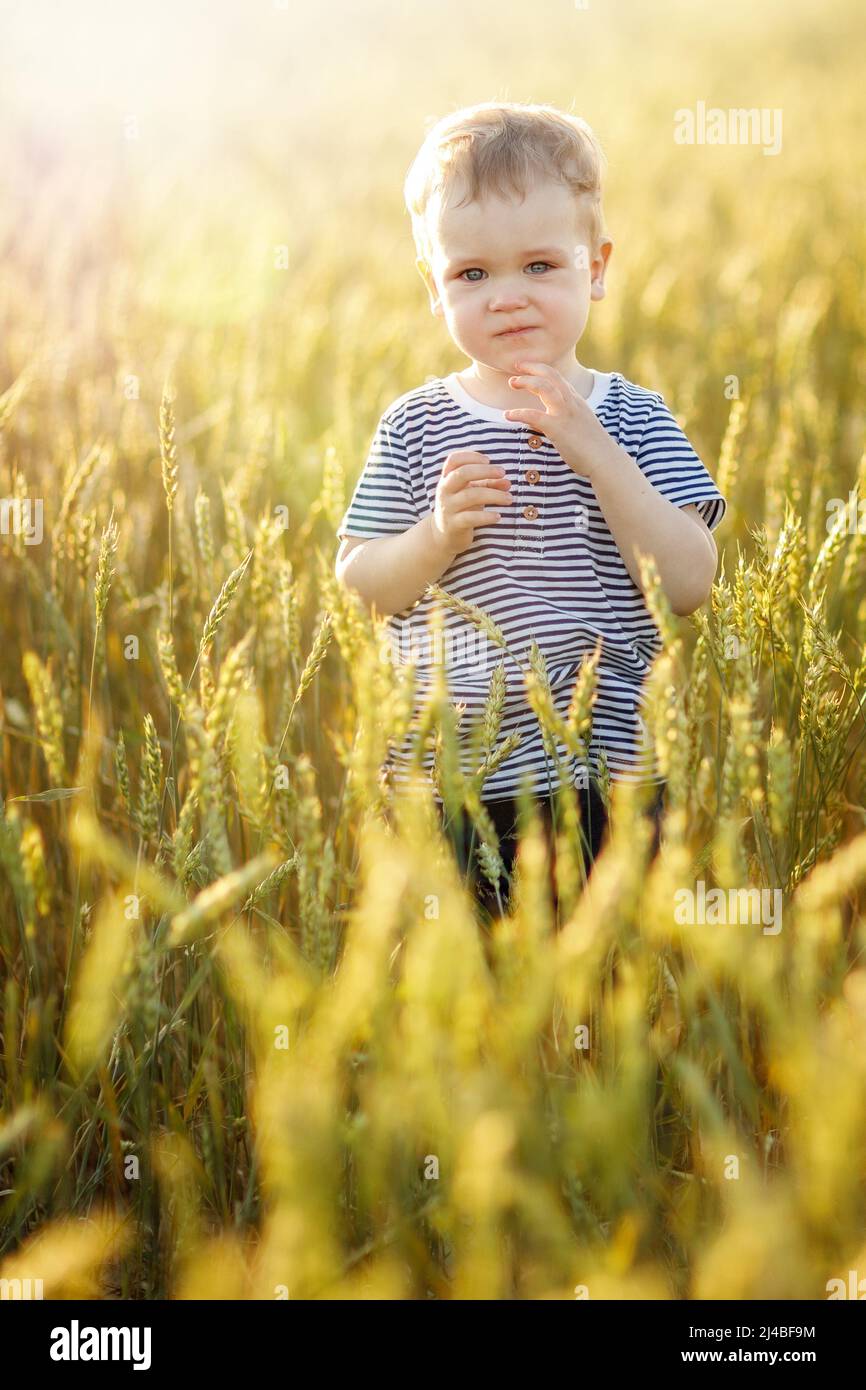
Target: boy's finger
(471,497)
(465,473)
(462,456)
(528,416)
(537,368)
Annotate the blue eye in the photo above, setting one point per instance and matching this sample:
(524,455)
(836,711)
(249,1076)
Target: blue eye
(476,270)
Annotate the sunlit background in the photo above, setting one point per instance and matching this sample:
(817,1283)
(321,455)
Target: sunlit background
(211,194)
(157,154)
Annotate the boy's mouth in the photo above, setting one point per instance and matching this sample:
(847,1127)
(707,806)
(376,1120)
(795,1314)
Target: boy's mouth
(515,332)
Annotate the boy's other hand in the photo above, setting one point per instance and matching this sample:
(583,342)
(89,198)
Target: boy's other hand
(468,481)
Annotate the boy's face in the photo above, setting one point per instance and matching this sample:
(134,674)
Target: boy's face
(499,264)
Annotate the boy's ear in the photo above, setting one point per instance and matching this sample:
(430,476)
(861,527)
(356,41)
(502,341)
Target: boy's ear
(426,274)
(598,266)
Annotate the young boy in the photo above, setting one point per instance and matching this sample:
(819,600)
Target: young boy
(524,483)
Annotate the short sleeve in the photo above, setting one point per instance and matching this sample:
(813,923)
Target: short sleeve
(382,503)
(667,458)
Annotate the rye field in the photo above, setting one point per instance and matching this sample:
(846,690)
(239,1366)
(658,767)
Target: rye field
(256,1041)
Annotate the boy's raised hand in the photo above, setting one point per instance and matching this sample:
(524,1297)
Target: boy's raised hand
(468,481)
(569,422)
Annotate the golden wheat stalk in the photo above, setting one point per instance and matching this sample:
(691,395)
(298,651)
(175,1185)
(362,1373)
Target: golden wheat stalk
(584,694)
(14,861)
(272,883)
(182,846)
(167,447)
(121,772)
(104,571)
(217,898)
(168,665)
(49,715)
(150,782)
(235,521)
(62,530)
(726,476)
(289,609)
(475,615)
(317,654)
(233,674)
(222,603)
(206,781)
(830,549)
(657,602)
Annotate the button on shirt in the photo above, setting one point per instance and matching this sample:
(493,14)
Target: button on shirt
(548,571)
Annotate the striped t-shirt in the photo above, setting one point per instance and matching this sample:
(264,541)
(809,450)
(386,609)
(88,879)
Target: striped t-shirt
(548,570)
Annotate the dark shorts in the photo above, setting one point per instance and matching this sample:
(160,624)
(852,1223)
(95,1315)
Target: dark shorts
(503,813)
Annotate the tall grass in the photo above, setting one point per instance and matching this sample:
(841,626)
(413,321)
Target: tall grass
(256,1040)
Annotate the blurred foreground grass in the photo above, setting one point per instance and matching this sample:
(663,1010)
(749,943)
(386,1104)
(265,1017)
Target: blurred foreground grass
(254,1041)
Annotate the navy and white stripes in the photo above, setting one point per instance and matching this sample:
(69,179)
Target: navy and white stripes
(549,570)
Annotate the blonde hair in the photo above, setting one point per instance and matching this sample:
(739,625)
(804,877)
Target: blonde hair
(497,147)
